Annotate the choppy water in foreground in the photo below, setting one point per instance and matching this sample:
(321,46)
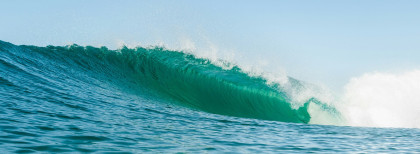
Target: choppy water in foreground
(86,99)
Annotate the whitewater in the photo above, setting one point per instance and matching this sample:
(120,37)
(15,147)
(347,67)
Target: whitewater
(92,99)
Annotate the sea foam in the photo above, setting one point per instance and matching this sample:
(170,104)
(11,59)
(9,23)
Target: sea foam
(383,100)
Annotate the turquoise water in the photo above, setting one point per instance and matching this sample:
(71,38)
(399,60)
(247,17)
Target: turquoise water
(87,99)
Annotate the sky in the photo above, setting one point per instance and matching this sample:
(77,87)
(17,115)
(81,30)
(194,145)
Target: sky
(325,42)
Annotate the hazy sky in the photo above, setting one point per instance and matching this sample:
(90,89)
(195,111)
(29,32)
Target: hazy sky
(324,42)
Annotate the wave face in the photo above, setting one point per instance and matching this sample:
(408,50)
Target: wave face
(181,77)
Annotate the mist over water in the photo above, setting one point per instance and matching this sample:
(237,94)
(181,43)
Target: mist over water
(383,100)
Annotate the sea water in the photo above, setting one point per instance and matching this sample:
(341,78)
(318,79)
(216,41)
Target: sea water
(137,100)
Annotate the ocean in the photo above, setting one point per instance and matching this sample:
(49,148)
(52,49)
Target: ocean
(87,99)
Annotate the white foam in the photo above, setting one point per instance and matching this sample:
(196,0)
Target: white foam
(383,100)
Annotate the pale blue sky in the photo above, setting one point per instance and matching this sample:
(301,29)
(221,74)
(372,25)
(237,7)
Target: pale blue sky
(325,42)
